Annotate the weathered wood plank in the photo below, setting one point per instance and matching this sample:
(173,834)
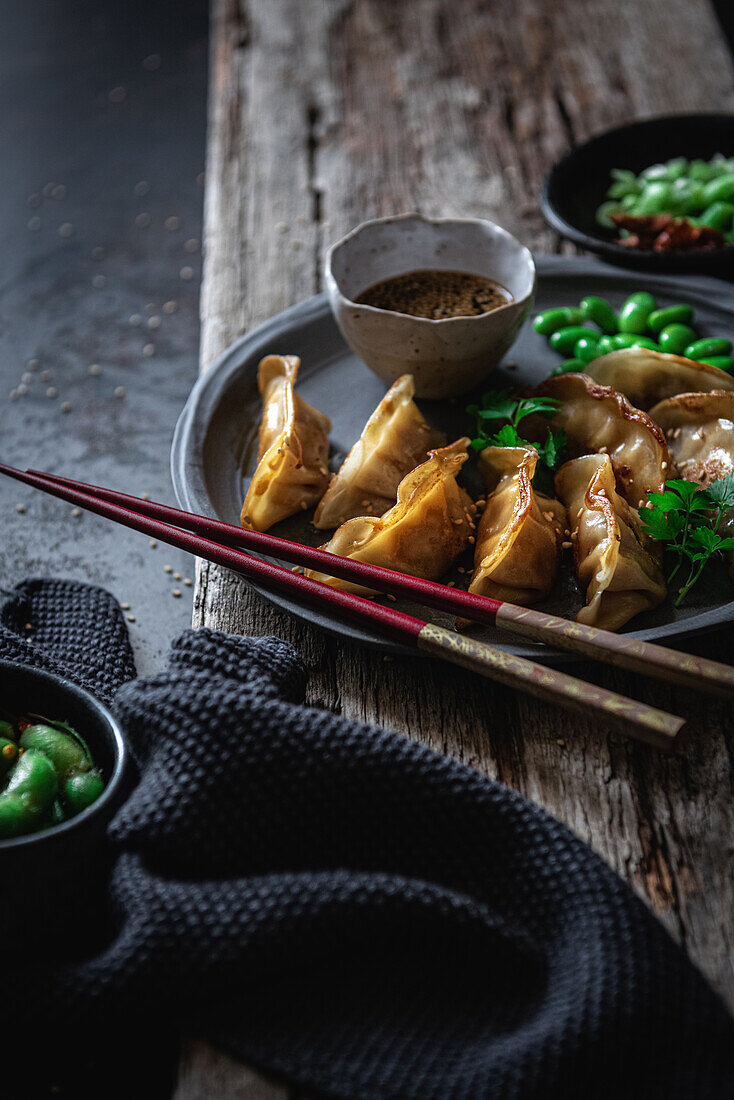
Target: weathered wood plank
(325,112)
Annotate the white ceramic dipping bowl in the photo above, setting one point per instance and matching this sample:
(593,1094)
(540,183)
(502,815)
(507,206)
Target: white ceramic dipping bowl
(446,357)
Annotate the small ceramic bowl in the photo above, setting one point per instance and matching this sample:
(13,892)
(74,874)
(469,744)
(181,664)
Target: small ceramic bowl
(56,877)
(446,357)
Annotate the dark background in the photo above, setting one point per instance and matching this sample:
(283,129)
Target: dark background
(97,98)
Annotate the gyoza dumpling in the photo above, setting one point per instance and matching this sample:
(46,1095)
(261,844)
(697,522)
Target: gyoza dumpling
(518,547)
(646,377)
(395,439)
(700,432)
(597,418)
(292,470)
(615,559)
(422,534)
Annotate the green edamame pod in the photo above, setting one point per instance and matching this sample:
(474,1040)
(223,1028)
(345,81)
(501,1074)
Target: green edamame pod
(605,211)
(674,339)
(655,172)
(564,340)
(718,216)
(676,168)
(632,340)
(600,313)
(551,320)
(586,348)
(720,189)
(605,345)
(706,348)
(723,362)
(82,790)
(701,170)
(7,730)
(569,366)
(635,312)
(64,751)
(28,795)
(655,199)
(670,315)
(58,813)
(8,755)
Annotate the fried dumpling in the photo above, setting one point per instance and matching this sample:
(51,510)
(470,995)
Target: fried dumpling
(395,439)
(615,560)
(292,470)
(422,534)
(700,432)
(518,547)
(597,418)
(646,377)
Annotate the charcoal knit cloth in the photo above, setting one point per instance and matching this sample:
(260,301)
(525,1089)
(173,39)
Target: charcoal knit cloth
(347,909)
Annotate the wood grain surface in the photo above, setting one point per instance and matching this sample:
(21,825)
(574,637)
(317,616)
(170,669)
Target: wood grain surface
(327,112)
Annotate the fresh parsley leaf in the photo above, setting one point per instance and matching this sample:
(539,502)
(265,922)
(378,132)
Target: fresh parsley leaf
(507,436)
(501,405)
(551,450)
(687,518)
(721,492)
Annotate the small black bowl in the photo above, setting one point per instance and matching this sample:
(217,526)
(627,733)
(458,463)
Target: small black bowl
(53,882)
(578,183)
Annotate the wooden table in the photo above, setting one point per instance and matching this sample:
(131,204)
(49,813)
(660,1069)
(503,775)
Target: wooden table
(327,112)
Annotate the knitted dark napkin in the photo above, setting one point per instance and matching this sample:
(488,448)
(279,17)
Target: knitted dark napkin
(344,907)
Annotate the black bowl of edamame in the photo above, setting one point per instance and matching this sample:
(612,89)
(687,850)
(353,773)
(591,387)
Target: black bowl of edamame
(660,147)
(69,787)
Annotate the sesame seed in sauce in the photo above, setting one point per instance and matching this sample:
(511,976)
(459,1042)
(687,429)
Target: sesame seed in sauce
(172,223)
(65,407)
(170,307)
(99,281)
(34,224)
(148,350)
(143,220)
(186,273)
(66,229)
(191,245)
(51,391)
(154,322)
(95,368)
(119,391)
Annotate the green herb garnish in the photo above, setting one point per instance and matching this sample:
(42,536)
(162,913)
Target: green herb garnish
(687,519)
(501,405)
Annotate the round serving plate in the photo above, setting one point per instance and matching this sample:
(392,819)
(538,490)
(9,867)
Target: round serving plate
(215,442)
(577,185)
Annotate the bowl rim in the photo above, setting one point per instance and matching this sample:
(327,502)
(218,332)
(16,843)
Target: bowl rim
(601,245)
(114,782)
(334,288)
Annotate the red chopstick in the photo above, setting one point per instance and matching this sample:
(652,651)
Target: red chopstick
(643,658)
(629,716)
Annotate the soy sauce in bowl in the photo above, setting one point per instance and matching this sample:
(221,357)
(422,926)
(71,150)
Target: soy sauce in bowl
(436,294)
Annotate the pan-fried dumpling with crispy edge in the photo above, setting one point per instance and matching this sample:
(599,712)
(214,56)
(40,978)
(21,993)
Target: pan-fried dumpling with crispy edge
(700,432)
(292,470)
(597,418)
(518,548)
(395,439)
(646,377)
(422,534)
(615,560)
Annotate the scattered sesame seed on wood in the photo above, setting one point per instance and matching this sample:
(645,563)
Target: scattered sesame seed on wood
(130,618)
(125,606)
(176,592)
(188,582)
(177,576)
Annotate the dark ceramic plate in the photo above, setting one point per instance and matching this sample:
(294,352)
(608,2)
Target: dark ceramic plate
(215,441)
(577,185)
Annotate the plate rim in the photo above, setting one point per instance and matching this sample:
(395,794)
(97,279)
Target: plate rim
(187,439)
